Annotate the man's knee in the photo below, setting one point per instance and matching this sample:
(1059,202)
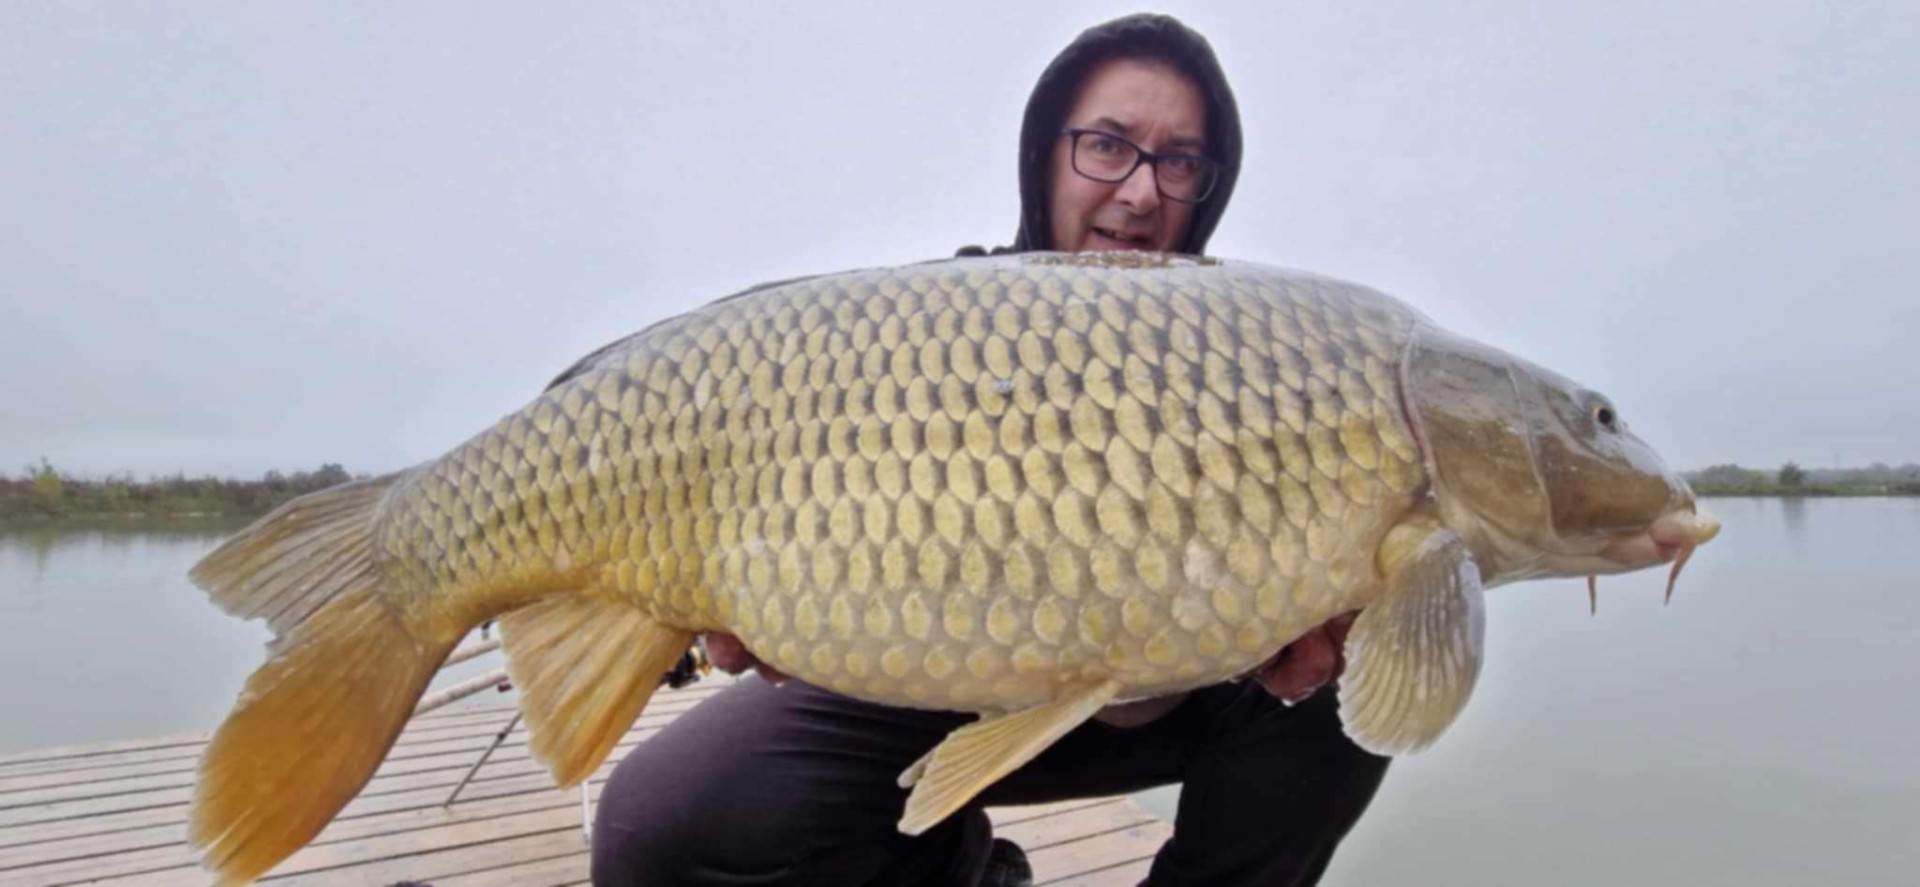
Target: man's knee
(667,821)
(671,816)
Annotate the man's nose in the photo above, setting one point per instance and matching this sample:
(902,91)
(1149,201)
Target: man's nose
(1140,191)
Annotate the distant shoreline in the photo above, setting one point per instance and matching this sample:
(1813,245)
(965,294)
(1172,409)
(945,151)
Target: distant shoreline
(125,520)
(44,495)
(1803,493)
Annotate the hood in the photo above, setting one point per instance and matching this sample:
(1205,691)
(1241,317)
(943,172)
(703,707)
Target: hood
(1159,36)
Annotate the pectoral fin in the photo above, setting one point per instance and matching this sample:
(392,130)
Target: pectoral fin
(585,666)
(1413,655)
(975,756)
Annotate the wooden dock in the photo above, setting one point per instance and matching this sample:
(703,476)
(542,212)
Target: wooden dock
(115,813)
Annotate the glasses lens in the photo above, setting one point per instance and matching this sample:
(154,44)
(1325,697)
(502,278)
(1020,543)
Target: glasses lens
(1103,157)
(1185,177)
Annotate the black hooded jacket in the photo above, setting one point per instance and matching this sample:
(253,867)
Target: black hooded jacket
(1143,35)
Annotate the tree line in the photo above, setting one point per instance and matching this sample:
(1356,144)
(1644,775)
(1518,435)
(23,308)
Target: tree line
(43,491)
(1878,479)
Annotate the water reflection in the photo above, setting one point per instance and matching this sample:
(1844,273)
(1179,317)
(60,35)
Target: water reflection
(39,543)
(107,639)
(1766,714)
(42,544)
(105,636)
(1793,513)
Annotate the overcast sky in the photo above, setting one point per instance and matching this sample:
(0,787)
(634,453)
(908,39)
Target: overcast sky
(236,237)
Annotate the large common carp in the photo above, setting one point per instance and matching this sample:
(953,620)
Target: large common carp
(1028,487)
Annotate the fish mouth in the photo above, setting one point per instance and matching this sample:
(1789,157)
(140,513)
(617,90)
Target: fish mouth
(1673,535)
(1671,538)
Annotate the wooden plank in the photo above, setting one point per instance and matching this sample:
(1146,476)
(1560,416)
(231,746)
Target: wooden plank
(1084,855)
(1005,816)
(473,733)
(105,772)
(452,720)
(68,819)
(92,806)
(175,865)
(530,790)
(105,823)
(82,870)
(426,841)
(443,778)
(85,846)
(432,867)
(572,868)
(387,839)
(189,755)
(140,787)
(37,797)
(412,833)
(412,743)
(1039,834)
(364,830)
(441,865)
(60,752)
(1123,874)
(175,816)
(104,855)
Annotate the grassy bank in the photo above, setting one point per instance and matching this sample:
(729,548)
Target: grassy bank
(1790,479)
(1807,490)
(45,494)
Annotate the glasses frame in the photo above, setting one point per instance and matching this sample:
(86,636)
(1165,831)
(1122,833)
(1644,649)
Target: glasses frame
(1141,156)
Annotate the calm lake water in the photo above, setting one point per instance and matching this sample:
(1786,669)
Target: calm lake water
(102,636)
(1762,730)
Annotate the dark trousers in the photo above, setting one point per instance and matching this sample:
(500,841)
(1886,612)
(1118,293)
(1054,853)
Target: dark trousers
(794,785)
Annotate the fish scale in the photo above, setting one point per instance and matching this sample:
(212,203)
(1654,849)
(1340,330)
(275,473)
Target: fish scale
(1016,479)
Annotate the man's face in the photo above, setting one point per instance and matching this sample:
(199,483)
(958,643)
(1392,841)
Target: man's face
(1153,106)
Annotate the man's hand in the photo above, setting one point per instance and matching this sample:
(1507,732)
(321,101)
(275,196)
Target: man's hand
(1292,676)
(729,655)
(1312,661)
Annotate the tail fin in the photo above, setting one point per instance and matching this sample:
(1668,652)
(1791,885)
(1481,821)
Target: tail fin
(315,721)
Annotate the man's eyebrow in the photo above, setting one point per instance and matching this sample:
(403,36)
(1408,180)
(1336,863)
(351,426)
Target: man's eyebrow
(1181,143)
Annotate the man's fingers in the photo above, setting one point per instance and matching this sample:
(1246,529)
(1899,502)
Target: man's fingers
(1303,667)
(728,654)
(1336,629)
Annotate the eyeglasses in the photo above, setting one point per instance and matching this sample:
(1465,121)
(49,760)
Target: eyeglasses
(1105,157)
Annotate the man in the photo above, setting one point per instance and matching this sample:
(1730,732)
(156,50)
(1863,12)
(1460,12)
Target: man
(1131,140)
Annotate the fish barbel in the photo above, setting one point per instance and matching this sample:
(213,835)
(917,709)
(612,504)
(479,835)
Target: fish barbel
(1026,486)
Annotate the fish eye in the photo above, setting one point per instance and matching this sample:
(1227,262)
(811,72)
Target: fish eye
(1604,415)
